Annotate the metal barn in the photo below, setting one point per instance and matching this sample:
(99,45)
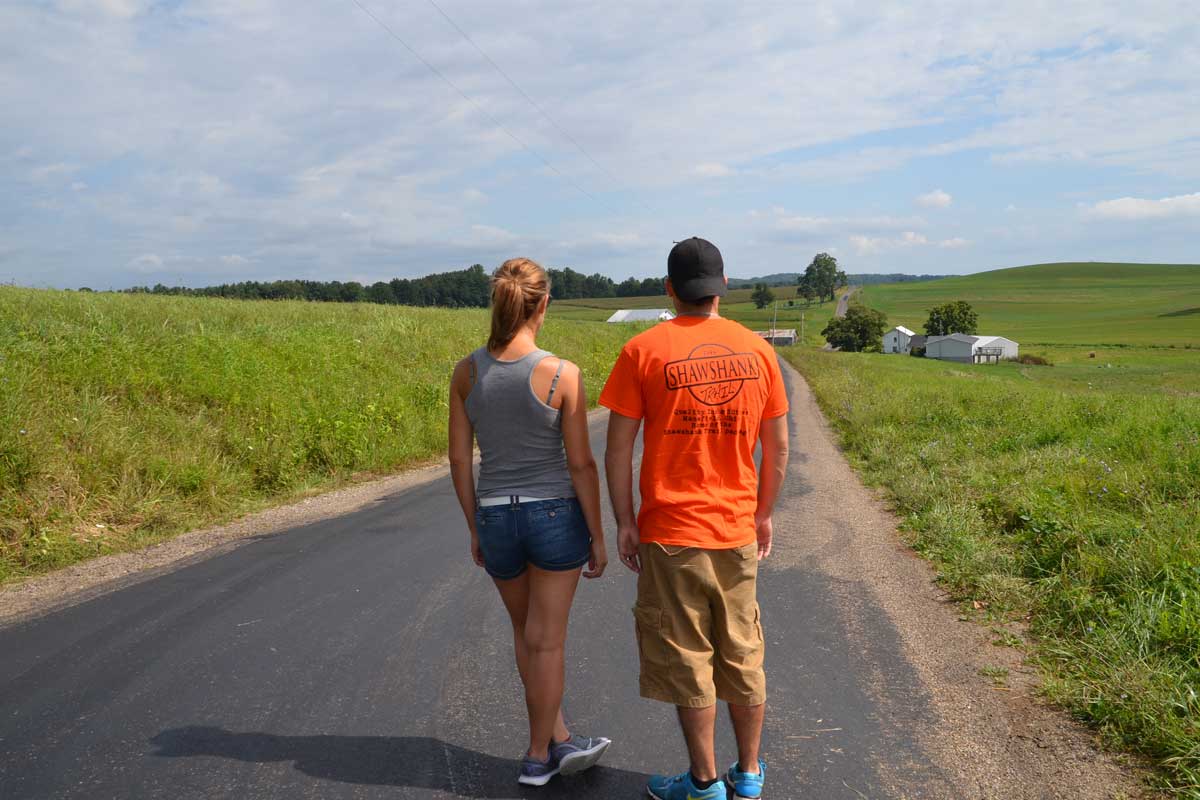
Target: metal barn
(641,315)
(970,349)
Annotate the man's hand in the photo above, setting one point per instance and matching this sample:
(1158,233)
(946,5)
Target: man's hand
(598,560)
(627,545)
(765,530)
(476,550)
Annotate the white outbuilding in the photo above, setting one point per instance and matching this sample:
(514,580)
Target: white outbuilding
(970,349)
(641,315)
(898,340)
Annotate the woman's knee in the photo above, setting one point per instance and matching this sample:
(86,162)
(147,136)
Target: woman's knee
(540,639)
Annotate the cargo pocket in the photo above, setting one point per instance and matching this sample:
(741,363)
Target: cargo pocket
(652,645)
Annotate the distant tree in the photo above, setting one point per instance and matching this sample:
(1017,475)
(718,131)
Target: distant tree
(653,287)
(762,296)
(861,330)
(956,317)
(821,277)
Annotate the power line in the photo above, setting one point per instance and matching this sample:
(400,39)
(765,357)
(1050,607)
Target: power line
(479,107)
(532,102)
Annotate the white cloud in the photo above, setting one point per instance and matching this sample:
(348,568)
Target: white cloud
(935,199)
(874,245)
(235,260)
(1137,208)
(121,9)
(712,169)
(146,262)
(474,196)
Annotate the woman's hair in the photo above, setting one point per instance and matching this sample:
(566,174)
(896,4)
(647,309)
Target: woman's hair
(518,286)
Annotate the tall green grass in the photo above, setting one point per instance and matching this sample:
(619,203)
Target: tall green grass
(1070,494)
(125,419)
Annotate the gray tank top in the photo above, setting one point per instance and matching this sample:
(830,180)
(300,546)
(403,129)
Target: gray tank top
(519,434)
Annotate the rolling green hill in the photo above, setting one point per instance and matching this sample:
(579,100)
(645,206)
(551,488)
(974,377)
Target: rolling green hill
(1070,303)
(1099,304)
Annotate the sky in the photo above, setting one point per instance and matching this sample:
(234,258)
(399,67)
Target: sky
(212,141)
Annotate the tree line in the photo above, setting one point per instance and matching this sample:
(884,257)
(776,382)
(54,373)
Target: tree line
(467,288)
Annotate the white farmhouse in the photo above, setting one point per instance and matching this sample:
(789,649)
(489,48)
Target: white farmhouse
(641,315)
(970,349)
(898,340)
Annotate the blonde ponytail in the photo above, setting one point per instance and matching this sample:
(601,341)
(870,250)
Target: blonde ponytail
(518,287)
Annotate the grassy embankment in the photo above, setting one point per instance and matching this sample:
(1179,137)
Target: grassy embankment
(126,419)
(736,305)
(1070,493)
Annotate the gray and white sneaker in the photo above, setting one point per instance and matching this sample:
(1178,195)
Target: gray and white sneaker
(578,753)
(538,773)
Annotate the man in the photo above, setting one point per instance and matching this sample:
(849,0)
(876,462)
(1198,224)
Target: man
(708,390)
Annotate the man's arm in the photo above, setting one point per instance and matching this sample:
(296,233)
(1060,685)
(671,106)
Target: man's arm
(773,435)
(618,466)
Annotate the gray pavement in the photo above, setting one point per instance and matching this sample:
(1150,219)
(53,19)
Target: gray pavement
(366,656)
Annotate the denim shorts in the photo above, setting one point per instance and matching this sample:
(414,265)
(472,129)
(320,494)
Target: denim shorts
(550,534)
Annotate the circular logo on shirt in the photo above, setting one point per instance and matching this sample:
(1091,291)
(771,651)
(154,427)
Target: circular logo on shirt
(712,373)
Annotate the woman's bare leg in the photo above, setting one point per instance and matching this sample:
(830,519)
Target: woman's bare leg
(515,594)
(549,607)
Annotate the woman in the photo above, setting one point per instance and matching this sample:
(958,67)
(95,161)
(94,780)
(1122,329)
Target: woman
(535,515)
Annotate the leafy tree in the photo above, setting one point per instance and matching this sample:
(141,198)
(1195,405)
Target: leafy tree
(861,330)
(762,296)
(821,277)
(956,317)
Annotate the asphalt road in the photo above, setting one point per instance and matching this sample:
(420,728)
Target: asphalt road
(366,656)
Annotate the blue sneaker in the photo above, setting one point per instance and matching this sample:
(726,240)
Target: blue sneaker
(680,787)
(747,785)
(578,753)
(538,773)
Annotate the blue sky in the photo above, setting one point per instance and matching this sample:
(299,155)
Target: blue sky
(221,140)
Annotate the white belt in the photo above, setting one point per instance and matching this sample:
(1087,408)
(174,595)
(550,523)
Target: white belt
(512,499)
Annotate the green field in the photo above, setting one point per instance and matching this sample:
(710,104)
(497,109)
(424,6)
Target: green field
(1079,303)
(1102,304)
(125,419)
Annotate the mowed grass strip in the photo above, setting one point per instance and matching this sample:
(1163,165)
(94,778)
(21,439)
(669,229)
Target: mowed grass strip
(126,419)
(1070,494)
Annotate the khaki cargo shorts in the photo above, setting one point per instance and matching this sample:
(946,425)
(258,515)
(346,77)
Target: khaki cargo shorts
(698,630)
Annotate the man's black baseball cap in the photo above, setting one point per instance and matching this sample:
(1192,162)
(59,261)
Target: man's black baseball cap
(696,269)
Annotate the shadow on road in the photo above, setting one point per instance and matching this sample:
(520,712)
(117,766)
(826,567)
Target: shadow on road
(417,761)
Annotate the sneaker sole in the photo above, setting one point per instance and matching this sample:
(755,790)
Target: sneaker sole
(583,759)
(540,780)
(733,789)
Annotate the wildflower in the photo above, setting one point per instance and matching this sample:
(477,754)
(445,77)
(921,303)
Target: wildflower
(23,431)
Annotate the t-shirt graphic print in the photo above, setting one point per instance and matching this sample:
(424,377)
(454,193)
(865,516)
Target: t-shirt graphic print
(702,385)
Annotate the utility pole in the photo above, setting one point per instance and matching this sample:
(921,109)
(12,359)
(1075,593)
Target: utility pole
(774,318)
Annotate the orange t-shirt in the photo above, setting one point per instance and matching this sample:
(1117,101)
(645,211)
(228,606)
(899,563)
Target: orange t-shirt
(703,385)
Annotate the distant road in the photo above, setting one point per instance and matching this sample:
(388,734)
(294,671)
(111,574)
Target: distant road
(365,656)
(843,304)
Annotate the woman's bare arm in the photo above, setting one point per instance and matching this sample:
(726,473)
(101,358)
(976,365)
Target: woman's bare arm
(462,450)
(580,462)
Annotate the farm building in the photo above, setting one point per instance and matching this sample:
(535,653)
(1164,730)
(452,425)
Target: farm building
(779,335)
(970,349)
(898,340)
(641,315)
